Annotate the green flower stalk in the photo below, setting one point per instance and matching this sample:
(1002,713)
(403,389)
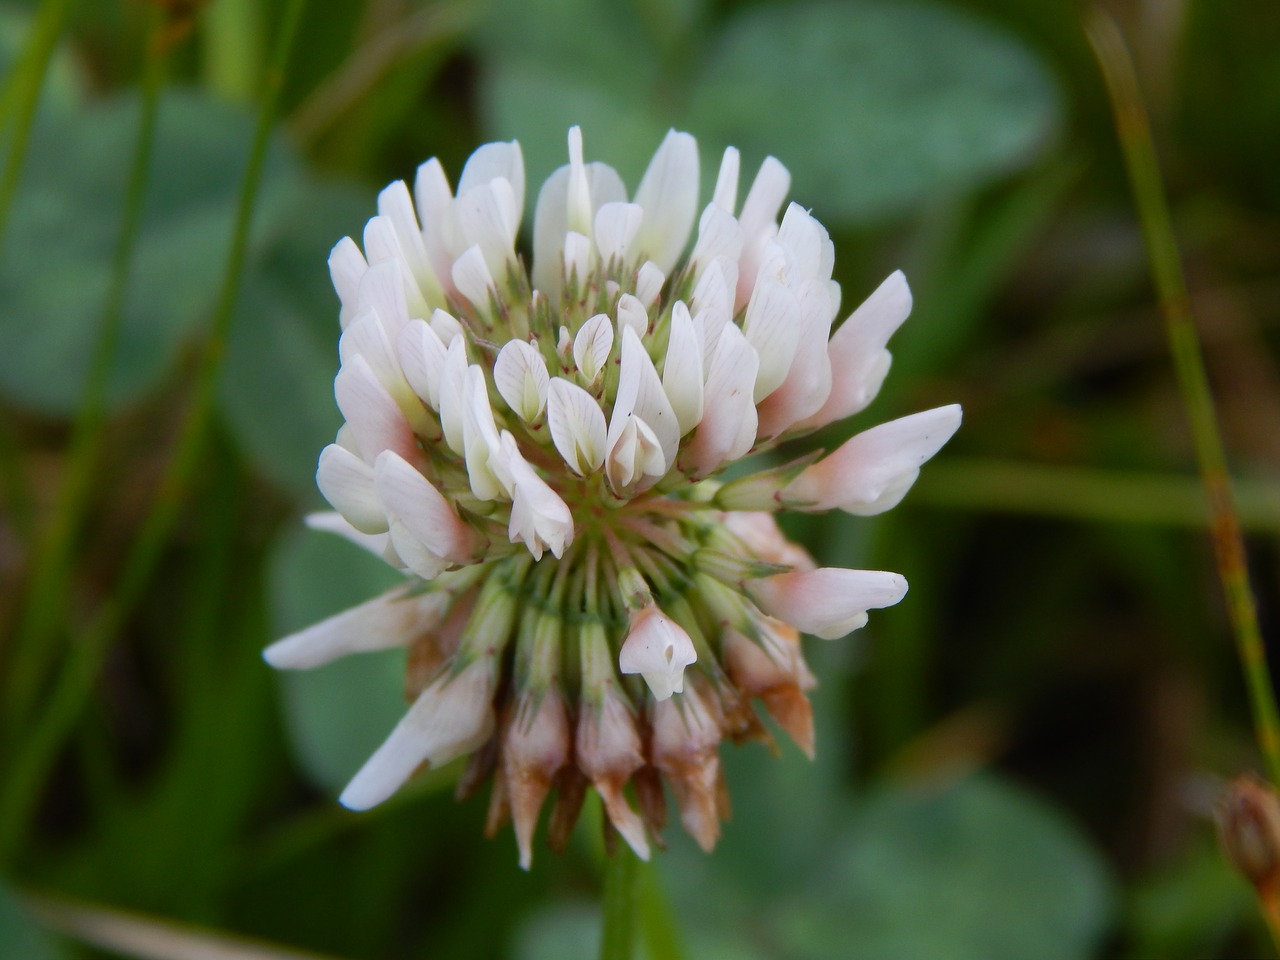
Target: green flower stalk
(586,604)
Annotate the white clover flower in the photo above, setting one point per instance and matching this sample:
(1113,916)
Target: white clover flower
(586,604)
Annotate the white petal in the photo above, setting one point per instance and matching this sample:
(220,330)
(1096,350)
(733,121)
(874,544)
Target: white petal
(649,281)
(367,336)
(808,381)
(635,459)
(616,227)
(495,161)
(346,267)
(718,236)
(422,356)
(452,401)
(346,482)
(631,313)
(592,345)
(539,518)
(480,440)
(413,554)
(728,426)
(329,521)
(765,197)
(577,426)
(640,394)
(395,205)
(446,326)
(376,422)
(520,374)
(827,602)
(668,193)
(859,360)
(726,193)
(392,620)
(772,327)
(712,303)
(807,242)
(413,500)
(471,275)
(682,369)
(577,256)
(551,220)
(487,217)
(382,290)
(873,470)
(657,648)
(432,195)
(453,716)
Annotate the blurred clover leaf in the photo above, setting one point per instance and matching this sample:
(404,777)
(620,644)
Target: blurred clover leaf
(876,108)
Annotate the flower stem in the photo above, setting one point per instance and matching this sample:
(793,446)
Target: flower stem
(621,904)
(1134,133)
(40,745)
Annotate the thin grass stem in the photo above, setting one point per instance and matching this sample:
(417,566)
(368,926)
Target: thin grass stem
(621,905)
(74,684)
(1134,132)
(34,646)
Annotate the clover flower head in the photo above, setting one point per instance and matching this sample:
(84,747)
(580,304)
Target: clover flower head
(586,602)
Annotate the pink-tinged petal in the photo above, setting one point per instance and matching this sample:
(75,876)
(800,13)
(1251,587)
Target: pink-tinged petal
(577,426)
(520,374)
(392,620)
(382,290)
(616,226)
(649,280)
(376,421)
(668,193)
(682,369)
(346,266)
(873,470)
(422,355)
(657,648)
(453,716)
(686,748)
(859,360)
(414,555)
(536,747)
(719,235)
(728,426)
(413,500)
(346,482)
(495,161)
(807,243)
(725,195)
(808,380)
(592,345)
(328,521)
(773,327)
(712,305)
(640,395)
(539,518)
(827,602)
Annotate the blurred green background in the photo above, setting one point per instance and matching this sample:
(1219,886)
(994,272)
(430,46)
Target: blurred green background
(1019,761)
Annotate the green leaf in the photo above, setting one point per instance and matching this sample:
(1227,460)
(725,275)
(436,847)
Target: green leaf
(20,936)
(979,870)
(874,107)
(66,220)
(277,390)
(336,715)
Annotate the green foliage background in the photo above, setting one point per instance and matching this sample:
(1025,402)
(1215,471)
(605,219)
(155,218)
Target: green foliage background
(1018,761)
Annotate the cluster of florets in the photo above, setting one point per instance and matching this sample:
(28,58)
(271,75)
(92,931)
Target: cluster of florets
(586,603)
